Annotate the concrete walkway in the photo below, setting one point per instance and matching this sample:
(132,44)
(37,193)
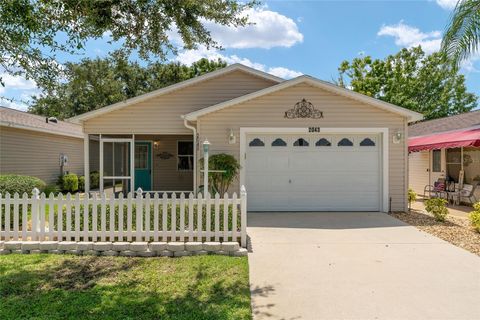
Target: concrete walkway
(357,266)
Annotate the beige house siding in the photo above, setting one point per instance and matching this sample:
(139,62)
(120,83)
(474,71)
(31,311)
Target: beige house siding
(339,112)
(161,115)
(165,174)
(418,164)
(37,154)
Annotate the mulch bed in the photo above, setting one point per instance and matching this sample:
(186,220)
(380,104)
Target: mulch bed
(457,231)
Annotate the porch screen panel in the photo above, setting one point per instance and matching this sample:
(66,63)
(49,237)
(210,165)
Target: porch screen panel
(471,165)
(116,159)
(454,163)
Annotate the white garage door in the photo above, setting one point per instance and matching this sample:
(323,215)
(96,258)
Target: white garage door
(313,172)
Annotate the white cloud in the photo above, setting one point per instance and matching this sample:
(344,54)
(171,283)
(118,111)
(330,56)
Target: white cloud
(13,104)
(408,36)
(18,89)
(268,29)
(284,72)
(447,4)
(17,82)
(469,64)
(190,56)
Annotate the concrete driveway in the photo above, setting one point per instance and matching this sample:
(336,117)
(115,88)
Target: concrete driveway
(357,266)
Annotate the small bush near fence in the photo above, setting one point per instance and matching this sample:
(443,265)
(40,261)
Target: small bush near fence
(437,208)
(52,188)
(94,179)
(475,216)
(81,183)
(412,196)
(12,183)
(70,182)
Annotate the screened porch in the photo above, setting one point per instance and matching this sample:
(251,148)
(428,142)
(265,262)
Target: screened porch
(122,163)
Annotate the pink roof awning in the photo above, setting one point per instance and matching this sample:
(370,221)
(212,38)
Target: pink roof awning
(463,138)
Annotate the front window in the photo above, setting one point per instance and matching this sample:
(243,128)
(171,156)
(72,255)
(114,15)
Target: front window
(185,155)
(436,160)
(141,157)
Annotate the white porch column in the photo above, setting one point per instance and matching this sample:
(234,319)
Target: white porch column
(86,161)
(101,164)
(132,164)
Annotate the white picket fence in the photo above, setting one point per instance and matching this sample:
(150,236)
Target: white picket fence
(102,218)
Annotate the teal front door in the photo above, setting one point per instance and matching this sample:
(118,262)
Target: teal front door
(143,166)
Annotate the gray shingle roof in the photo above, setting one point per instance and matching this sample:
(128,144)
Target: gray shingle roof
(17,118)
(457,122)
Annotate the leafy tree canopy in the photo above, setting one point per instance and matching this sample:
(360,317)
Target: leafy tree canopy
(410,79)
(95,83)
(33,32)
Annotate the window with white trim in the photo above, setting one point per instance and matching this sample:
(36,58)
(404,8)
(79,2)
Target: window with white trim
(185,155)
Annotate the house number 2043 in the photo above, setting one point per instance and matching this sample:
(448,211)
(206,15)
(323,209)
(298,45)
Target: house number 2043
(313,129)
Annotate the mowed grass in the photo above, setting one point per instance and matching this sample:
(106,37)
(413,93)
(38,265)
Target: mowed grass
(43,286)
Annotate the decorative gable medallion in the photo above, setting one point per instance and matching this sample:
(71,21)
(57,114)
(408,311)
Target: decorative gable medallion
(303,109)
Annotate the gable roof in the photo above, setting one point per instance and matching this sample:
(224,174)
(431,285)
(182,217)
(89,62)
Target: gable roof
(24,120)
(174,87)
(451,123)
(410,115)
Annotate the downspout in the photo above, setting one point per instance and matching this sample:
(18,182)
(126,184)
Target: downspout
(185,123)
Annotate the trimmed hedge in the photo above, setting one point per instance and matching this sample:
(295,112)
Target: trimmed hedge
(12,183)
(70,182)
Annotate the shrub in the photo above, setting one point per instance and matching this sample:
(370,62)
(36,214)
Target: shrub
(81,183)
(220,181)
(12,183)
(412,196)
(70,182)
(94,179)
(436,206)
(475,216)
(51,188)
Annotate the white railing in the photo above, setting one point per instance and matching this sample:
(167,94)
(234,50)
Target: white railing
(103,218)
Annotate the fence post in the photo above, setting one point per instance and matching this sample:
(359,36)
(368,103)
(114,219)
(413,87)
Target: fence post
(35,213)
(243,212)
(139,215)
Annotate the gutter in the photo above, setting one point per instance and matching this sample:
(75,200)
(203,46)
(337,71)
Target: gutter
(185,123)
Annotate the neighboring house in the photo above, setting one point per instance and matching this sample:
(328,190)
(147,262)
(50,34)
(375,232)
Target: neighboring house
(303,144)
(442,148)
(33,145)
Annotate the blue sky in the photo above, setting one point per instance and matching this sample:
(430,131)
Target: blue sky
(290,38)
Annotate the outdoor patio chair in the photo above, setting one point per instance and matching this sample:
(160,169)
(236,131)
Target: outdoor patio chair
(468,192)
(438,189)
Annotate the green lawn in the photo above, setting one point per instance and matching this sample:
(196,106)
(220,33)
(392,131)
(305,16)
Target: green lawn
(70,287)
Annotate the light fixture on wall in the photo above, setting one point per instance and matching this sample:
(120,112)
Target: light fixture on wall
(155,144)
(232,139)
(397,137)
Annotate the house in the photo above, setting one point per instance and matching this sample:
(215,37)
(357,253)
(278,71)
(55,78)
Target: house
(303,144)
(443,148)
(38,146)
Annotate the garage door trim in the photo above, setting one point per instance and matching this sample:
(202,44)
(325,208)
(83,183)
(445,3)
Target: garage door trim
(384,133)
